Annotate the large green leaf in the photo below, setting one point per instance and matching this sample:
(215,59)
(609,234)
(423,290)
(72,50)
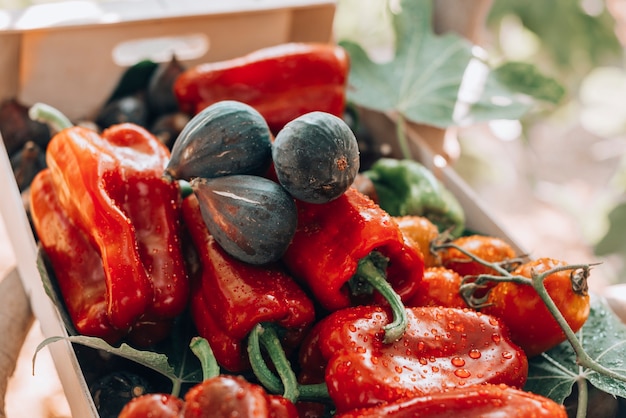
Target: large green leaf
(613,241)
(432,79)
(603,337)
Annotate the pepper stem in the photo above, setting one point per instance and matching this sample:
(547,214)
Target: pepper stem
(266,377)
(373,275)
(201,348)
(49,115)
(265,335)
(268,338)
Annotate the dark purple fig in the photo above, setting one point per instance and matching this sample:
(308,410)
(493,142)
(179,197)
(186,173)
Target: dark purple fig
(167,127)
(160,95)
(252,218)
(226,138)
(127,109)
(17,128)
(26,163)
(316,157)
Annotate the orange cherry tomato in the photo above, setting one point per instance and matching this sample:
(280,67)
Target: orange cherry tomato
(439,287)
(487,248)
(531,324)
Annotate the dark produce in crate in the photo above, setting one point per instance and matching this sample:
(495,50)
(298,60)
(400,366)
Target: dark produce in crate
(18,128)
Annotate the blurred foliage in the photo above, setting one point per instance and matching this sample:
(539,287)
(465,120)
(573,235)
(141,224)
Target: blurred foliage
(575,35)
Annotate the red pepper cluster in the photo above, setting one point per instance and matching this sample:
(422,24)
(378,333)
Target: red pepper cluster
(353,337)
(110,226)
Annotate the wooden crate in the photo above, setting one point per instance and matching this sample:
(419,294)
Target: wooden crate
(74,63)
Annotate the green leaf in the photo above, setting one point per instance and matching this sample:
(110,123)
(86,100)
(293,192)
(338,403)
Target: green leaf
(424,79)
(571,36)
(525,78)
(154,360)
(603,337)
(613,241)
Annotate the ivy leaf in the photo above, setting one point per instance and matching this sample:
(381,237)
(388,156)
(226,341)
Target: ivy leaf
(613,241)
(525,78)
(603,337)
(423,81)
(179,372)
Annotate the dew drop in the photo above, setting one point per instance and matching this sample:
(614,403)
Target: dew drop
(474,353)
(458,361)
(462,373)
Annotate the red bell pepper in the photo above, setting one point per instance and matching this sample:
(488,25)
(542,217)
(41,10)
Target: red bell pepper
(331,240)
(442,348)
(344,249)
(112,189)
(481,401)
(82,287)
(230,297)
(282,82)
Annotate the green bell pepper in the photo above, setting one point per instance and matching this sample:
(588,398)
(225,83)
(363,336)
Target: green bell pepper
(406,187)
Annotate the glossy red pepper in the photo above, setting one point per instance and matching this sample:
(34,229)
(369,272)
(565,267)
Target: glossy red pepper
(230,297)
(111,187)
(331,240)
(442,348)
(282,82)
(482,401)
(82,286)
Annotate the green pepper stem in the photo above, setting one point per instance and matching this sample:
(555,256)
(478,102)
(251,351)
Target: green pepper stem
(270,341)
(374,276)
(287,384)
(266,377)
(201,348)
(49,115)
